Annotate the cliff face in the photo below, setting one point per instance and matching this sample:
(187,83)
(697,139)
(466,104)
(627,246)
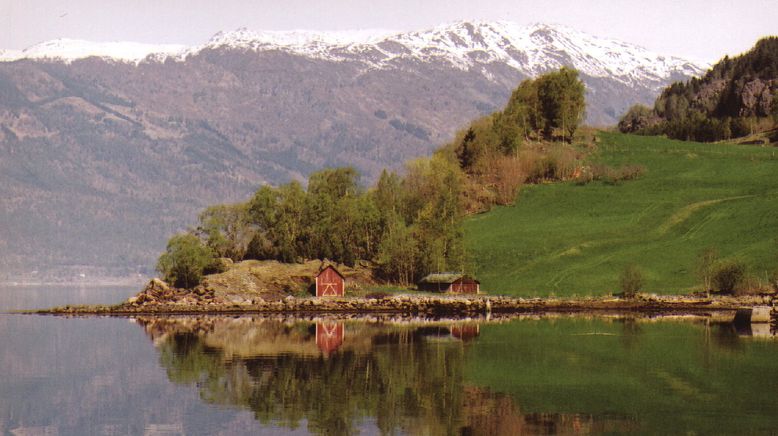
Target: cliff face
(736,97)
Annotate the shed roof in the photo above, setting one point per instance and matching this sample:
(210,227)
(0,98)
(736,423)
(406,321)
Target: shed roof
(327,266)
(445,277)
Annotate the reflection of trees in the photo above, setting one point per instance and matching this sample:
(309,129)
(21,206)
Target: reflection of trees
(407,379)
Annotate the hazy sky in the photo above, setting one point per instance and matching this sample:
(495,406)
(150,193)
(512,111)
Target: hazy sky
(699,29)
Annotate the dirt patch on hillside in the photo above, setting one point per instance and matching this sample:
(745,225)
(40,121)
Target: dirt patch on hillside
(271,280)
(254,281)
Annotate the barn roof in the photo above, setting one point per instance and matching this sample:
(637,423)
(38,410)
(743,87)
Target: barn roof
(326,266)
(444,277)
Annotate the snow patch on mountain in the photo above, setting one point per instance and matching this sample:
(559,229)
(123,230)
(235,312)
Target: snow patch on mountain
(533,50)
(69,50)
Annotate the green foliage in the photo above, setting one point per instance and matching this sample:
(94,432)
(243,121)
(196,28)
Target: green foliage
(562,102)
(706,267)
(411,226)
(631,280)
(735,98)
(466,152)
(397,253)
(637,118)
(552,102)
(729,276)
(570,239)
(223,227)
(185,260)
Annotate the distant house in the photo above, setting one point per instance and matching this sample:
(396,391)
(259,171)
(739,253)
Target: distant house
(454,283)
(330,283)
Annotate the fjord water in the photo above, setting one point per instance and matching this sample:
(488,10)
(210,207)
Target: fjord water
(249,375)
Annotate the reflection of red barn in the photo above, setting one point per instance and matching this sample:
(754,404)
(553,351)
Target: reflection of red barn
(465,332)
(330,283)
(329,336)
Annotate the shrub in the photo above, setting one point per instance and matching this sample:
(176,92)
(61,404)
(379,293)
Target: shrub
(609,175)
(631,280)
(750,285)
(729,276)
(508,178)
(706,264)
(772,278)
(184,261)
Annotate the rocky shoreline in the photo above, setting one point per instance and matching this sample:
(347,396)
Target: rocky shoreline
(444,305)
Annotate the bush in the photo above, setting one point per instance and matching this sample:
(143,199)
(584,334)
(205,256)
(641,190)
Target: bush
(729,276)
(609,175)
(184,261)
(706,264)
(772,278)
(631,281)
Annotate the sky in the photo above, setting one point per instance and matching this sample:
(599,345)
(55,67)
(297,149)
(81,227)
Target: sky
(701,30)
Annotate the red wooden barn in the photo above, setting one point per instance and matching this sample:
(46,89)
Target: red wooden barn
(330,283)
(450,282)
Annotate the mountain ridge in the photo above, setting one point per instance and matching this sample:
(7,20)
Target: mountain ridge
(529,49)
(101,160)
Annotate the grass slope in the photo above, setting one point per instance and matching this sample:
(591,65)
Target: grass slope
(566,239)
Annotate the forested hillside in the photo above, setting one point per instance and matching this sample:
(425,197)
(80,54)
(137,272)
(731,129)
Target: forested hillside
(736,97)
(407,225)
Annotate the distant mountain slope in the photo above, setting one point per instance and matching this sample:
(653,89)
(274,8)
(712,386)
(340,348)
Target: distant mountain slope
(102,157)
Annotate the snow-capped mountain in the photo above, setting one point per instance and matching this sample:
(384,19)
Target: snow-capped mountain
(69,50)
(531,50)
(139,137)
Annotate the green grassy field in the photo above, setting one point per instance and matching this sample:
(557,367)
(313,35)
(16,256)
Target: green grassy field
(566,239)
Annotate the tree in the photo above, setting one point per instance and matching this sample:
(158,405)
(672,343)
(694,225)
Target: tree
(562,102)
(398,252)
(729,276)
(706,267)
(225,229)
(631,280)
(289,224)
(637,118)
(334,183)
(466,150)
(184,261)
(387,196)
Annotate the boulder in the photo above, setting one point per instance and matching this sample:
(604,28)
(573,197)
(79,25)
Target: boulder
(157,285)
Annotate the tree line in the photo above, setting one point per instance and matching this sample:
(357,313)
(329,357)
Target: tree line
(529,141)
(736,97)
(409,224)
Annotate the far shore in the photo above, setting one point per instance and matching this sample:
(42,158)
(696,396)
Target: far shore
(92,283)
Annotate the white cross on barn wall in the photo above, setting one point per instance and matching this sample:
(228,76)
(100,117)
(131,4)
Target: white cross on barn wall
(329,289)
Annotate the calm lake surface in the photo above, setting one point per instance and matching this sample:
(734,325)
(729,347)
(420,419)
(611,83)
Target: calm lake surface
(255,375)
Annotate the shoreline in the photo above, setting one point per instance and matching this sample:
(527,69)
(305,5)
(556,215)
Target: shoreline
(447,305)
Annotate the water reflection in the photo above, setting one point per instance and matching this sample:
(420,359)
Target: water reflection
(334,375)
(244,375)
